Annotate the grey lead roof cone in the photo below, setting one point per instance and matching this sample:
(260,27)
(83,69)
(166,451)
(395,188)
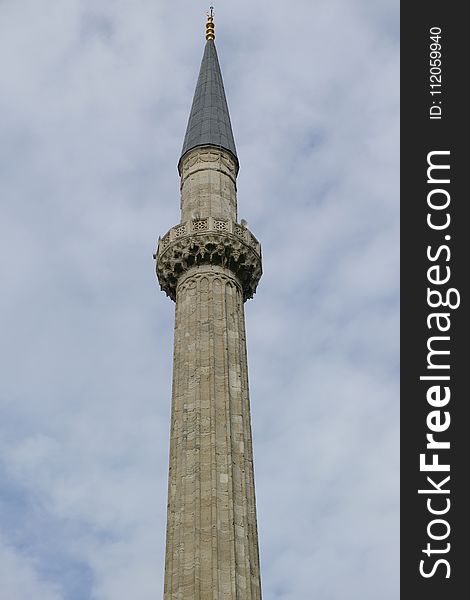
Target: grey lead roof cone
(209,120)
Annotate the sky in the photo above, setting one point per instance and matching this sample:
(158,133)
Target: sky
(94,101)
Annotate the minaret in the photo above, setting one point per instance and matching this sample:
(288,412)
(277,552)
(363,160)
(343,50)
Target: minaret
(209,264)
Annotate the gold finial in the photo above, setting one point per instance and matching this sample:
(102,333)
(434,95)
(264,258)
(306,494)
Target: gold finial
(210,27)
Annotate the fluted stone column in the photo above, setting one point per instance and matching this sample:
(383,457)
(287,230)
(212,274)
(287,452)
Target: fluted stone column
(210,265)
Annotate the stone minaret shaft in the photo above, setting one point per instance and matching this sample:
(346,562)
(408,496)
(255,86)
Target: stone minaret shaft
(209,264)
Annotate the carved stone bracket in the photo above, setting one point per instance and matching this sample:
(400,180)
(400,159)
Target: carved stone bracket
(218,243)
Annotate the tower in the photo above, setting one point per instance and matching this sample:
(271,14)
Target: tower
(210,264)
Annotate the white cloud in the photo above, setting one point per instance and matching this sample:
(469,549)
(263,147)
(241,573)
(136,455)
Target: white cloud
(95,98)
(19,577)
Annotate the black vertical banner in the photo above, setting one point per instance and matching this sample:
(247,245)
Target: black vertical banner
(435,249)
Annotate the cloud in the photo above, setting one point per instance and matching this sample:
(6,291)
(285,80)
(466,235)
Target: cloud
(95,98)
(19,577)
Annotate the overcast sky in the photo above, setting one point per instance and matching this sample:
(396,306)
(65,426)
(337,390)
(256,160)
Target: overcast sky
(94,101)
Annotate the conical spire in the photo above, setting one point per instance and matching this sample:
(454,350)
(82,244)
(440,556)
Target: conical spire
(209,120)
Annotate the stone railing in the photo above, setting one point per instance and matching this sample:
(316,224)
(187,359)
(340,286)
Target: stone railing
(208,241)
